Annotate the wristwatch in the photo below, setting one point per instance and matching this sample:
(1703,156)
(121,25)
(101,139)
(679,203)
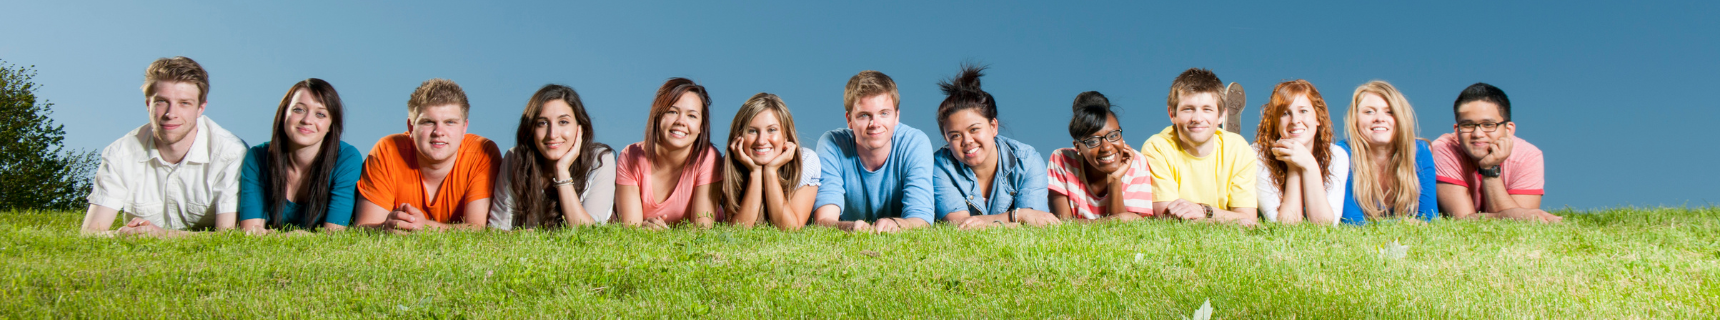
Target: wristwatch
(1489,172)
(1208,210)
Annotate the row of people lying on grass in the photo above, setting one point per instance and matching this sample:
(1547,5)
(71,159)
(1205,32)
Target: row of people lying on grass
(183,172)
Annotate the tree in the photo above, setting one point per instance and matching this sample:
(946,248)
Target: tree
(36,171)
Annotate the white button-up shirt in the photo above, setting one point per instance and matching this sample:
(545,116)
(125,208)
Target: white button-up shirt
(133,178)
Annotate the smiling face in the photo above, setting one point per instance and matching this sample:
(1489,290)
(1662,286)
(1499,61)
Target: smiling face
(437,132)
(1377,119)
(1298,123)
(1477,141)
(679,124)
(554,127)
(873,121)
(1107,156)
(1196,117)
(972,137)
(173,110)
(762,136)
(306,121)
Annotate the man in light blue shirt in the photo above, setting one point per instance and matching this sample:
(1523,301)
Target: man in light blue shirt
(876,174)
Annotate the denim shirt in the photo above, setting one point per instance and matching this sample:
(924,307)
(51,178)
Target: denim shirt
(1018,183)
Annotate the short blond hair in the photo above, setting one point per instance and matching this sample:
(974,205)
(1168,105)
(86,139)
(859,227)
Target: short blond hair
(176,69)
(437,92)
(867,84)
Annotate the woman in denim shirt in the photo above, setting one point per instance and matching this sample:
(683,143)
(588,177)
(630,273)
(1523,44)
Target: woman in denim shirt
(981,179)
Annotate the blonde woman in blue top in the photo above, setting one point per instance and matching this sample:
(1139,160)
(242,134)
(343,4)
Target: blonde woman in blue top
(981,179)
(1393,174)
(304,177)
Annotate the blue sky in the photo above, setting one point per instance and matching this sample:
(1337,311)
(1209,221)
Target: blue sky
(1618,96)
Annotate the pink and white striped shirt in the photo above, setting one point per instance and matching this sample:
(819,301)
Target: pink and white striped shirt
(1068,179)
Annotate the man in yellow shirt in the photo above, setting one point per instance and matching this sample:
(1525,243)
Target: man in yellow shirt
(1200,172)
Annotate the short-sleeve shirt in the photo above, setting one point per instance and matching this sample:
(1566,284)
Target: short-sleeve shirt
(635,170)
(1224,179)
(901,188)
(343,183)
(1523,171)
(1018,181)
(134,179)
(392,176)
(1068,178)
(810,169)
(598,197)
(1272,194)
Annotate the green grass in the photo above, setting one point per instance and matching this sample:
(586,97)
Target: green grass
(1624,263)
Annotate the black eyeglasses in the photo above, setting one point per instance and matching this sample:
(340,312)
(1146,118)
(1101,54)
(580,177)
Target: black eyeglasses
(1485,126)
(1093,142)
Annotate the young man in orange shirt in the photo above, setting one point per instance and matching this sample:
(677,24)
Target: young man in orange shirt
(433,177)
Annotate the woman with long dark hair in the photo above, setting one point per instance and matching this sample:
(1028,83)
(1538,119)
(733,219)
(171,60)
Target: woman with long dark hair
(557,174)
(304,177)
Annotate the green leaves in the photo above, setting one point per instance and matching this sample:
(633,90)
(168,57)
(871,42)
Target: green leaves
(37,172)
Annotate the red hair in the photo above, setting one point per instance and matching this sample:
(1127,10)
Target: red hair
(1282,95)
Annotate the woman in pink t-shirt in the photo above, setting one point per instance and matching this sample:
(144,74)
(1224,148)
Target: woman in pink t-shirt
(667,178)
(1101,178)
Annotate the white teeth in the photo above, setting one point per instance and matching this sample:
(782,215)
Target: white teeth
(971,151)
(761,150)
(1108,158)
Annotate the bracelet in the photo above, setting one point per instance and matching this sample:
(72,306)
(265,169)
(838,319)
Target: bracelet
(1012,214)
(558,182)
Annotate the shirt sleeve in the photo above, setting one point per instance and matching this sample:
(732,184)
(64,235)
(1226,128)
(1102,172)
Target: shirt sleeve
(1428,204)
(1056,173)
(1528,171)
(347,172)
(483,174)
(1244,177)
(627,167)
(1340,168)
(710,168)
(1269,196)
(1448,163)
(917,187)
(948,197)
(376,182)
(1164,175)
(1138,194)
(831,190)
(810,170)
(107,187)
(502,196)
(226,182)
(251,187)
(1033,194)
(599,197)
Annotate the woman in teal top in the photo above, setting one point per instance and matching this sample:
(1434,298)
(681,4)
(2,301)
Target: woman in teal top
(982,179)
(274,192)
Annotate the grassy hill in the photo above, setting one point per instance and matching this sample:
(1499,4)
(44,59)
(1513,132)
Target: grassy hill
(1624,263)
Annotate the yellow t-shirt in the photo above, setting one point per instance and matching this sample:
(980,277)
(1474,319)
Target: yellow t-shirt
(1223,179)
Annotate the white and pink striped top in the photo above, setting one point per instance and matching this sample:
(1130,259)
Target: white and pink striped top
(1068,179)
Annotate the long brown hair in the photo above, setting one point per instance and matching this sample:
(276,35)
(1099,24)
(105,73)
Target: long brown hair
(667,95)
(1369,195)
(534,206)
(314,195)
(735,174)
(1282,95)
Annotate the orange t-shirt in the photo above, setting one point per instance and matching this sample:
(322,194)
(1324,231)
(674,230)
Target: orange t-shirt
(391,176)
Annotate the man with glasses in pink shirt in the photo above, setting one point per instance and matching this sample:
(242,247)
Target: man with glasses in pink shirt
(1484,170)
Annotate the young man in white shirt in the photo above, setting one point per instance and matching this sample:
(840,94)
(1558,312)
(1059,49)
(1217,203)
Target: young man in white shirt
(178,173)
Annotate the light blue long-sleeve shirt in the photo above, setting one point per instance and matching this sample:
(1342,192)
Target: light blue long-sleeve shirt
(343,184)
(901,188)
(1019,181)
(1427,204)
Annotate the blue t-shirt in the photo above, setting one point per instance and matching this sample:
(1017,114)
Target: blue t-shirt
(1427,204)
(1018,183)
(900,188)
(343,181)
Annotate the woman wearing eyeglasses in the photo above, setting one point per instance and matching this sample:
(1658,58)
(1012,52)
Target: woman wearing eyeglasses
(1101,178)
(982,179)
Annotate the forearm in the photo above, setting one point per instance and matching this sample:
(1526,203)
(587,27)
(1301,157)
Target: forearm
(572,210)
(1498,199)
(1290,201)
(1114,202)
(1242,215)
(776,206)
(751,201)
(912,223)
(1319,210)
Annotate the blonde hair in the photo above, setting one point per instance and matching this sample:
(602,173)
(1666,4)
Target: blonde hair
(1368,194)
(735,174)
(437,92)
(867,84)
(176,69)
